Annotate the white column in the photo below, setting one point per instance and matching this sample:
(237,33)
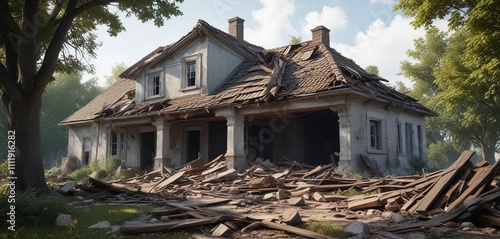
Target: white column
(235,152)
(162,157)
(345,162)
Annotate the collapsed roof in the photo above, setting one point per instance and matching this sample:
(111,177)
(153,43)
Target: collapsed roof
(277,74)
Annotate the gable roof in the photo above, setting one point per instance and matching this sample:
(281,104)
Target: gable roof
(277,74)
(246,49)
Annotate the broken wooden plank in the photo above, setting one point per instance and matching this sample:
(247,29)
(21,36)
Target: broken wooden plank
(221,230)
(368,202)
(442,184)
(483,176)
(228,174)
(368,164)
(169,180)
(294,230)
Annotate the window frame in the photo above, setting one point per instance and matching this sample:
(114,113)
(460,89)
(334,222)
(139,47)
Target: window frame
(375,134)
(149,84)
(196,60)
(113,144)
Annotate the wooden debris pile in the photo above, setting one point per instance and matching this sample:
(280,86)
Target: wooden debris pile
(460,191)
(189,214)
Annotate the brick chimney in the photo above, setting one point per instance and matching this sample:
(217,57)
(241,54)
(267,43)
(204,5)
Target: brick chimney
(321,34)
(236,28)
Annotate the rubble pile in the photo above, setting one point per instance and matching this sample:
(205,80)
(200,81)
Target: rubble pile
(458,193)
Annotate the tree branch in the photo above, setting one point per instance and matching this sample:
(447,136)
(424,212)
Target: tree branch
(7,82)
(52,53)
(27,48)
(9,32)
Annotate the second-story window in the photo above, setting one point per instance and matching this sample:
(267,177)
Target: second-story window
(190,73)
(153,85)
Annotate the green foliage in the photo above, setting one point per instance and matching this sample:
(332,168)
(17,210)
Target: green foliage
(441,154)
(103,168)
(372,69)
(327,228)
(34,208)
(295,40)
(349,192)
(115,73)
(85,217)
(62,98)
(417,163)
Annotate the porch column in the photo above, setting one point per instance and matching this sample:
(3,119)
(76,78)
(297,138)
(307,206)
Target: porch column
(345,162)
(235,153)
(162,157)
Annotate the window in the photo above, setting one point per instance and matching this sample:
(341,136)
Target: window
(375,134)
(154,85)
(400,140)
(114,144)
(191,73)
(409,139)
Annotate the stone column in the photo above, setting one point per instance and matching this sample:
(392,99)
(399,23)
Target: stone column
(162,157)
(345,162)
(235,153)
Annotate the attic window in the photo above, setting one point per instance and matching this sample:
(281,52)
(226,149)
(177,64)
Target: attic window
(154,85)
(191,73)
(191,68)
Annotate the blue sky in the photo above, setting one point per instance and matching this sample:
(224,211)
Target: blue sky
(367,31)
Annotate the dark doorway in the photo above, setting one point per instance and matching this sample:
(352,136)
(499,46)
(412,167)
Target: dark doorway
(321,132)
(148,149)
(193,144)
(260,141)
(217,139)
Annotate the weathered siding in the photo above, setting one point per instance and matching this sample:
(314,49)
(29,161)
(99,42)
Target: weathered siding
(221,61)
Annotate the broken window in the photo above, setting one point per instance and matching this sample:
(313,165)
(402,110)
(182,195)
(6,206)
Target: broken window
(375,134)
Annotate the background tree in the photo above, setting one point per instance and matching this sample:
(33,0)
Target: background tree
(469,75)
(115,72)
(62,98)
(39,37)
(295,40)
(372,69)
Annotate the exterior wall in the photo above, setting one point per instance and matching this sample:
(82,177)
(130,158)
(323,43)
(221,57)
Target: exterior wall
(393,157)
(75,141)
(178,142)
(214,64)
(221,61)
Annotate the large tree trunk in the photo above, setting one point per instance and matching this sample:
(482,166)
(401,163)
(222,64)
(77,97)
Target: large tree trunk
(24,119)
(488,153)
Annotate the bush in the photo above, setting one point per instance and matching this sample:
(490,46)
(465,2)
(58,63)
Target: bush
(102,167)
(35,208)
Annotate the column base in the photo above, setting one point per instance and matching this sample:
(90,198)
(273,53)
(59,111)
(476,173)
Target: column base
(345,166)
(159,162)
(238,162)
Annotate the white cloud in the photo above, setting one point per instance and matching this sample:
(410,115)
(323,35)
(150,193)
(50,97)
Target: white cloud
(331,17)
(274,27)
(383,46)
(388,2)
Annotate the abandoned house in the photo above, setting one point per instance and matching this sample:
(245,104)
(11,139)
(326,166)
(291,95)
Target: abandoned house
(213,93)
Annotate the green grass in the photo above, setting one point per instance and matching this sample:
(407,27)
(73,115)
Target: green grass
(348,192)
(326,228)
(85,217)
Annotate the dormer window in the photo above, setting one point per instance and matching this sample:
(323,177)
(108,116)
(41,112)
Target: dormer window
(191,73)
(154,85)
(191,68)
